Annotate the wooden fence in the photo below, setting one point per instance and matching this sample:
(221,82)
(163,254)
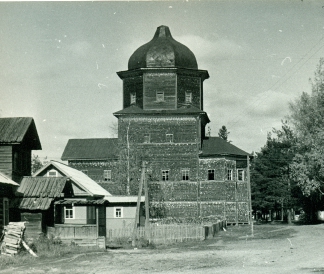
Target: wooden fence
(73,231)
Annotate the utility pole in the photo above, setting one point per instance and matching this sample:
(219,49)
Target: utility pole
(249,193)
(147,207)
(138,204)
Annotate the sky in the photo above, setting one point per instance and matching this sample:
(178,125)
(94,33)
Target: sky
(59,62)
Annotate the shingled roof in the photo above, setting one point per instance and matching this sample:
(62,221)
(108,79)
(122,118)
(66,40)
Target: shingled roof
(16,130)
(91,149)
(218,146)
(39,192)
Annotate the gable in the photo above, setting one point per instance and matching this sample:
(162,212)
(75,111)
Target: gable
(19,130)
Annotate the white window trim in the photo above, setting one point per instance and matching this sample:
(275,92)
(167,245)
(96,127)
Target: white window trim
(108,173)
(121,212)
(231,172)
(73,213)
(242,175)
(148,136)
(169,137)
(52,170)
(185,171)
(188,96)
(209,173)
(167,171)
(133,98)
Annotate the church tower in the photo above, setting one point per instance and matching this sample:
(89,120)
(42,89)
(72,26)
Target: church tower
(162,120)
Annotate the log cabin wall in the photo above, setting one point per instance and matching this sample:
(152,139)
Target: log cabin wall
(6,159)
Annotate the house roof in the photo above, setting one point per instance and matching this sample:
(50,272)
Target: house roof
(81,202)
(123,199)
(16,130)
(94,149)
(186,109)
(6,180)
(218,146)
(39,192)
(78,177)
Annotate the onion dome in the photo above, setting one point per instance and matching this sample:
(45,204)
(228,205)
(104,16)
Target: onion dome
(162,51)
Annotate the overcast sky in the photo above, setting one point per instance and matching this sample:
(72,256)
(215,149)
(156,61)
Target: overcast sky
(58,61)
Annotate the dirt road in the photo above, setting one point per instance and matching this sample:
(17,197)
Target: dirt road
(273,249)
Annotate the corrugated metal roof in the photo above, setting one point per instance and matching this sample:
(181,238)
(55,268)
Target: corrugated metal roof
(33,187)
(124,199)
(78,177)
(17,129)
(218,146)
(94,149)
(35,203)
(81,202)
(6,180)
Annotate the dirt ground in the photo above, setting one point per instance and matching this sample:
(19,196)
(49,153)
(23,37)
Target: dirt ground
(274,248)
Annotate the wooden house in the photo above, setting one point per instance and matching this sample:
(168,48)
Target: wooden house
(163,123)
(7,190)
(67,203)
(18,137)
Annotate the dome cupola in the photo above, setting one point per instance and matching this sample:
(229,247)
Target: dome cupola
(162,51)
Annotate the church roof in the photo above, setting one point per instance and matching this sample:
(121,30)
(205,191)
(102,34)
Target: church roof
(218,146)
(92,149)
(16,130)
(186,109)
(162,51)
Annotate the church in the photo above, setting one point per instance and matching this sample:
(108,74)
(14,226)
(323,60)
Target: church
(163,123)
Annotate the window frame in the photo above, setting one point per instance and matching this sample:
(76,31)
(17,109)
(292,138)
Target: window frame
(213,173)
(238,172)
(71,210)
(52,170)
(108,173)
(165,174)
(147,138)
(133,98)
(169,138)
(120,210)
(185,174)
(188,97)
(160,96)
(230,175)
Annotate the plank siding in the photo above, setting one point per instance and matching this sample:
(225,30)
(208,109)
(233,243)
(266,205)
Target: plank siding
(165,82)
(6,160)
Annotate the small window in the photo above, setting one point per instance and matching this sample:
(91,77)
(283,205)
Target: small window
(118,212)
(133,98)
(107,175)
(188,97)
(211,174)
(169,138)
(52,173)
(165,175)
(69,212)
(147,138)
(240,175)
(160,96)
(185,174)
(85,171)
(230,175)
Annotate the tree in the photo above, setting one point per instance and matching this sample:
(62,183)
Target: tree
(36,164)
(307,117)
(272,188)
(223,133)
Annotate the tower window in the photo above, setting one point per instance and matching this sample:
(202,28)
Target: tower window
(165,175)
(160,96)
(188,97)
(185,174)
(211,174)
(169,138)
(147,138)
(133,98)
